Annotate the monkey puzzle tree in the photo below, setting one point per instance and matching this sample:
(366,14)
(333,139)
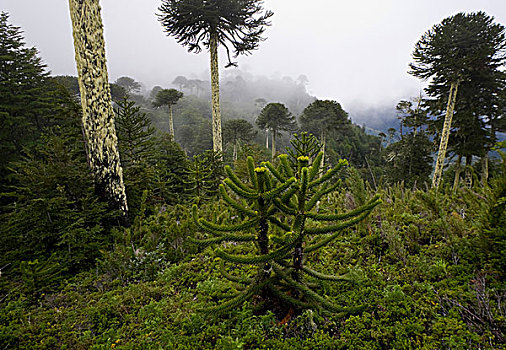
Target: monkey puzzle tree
(277,118)
(237,130)
(238,25)
(464,52)
(282,227)
(98,114)
(168,97)
(323,117)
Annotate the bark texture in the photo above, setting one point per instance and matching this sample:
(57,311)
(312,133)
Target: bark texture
(215,92)
(98,114)
(436,179)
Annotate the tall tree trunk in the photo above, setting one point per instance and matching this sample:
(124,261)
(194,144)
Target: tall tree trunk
(267,138)
(215,90)
(445,135)
(458,170)
(171,123)
(469,171)
(273,144)
(235,151)
(98,114)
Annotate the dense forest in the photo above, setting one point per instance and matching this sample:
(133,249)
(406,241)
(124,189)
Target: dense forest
(240,212)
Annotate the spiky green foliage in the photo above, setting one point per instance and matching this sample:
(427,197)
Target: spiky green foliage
(256,208)
(168,97)
(304,144)
(278,216)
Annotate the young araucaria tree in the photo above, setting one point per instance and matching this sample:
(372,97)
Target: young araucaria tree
(283,227)
(234,24)
(98,114)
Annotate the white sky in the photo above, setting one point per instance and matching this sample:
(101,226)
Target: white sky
(355,52)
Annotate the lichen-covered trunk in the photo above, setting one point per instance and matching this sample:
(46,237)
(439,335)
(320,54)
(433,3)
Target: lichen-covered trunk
(215,93)
(445,135)
(171,124)
(267,138)
(98,114)
(235,151)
